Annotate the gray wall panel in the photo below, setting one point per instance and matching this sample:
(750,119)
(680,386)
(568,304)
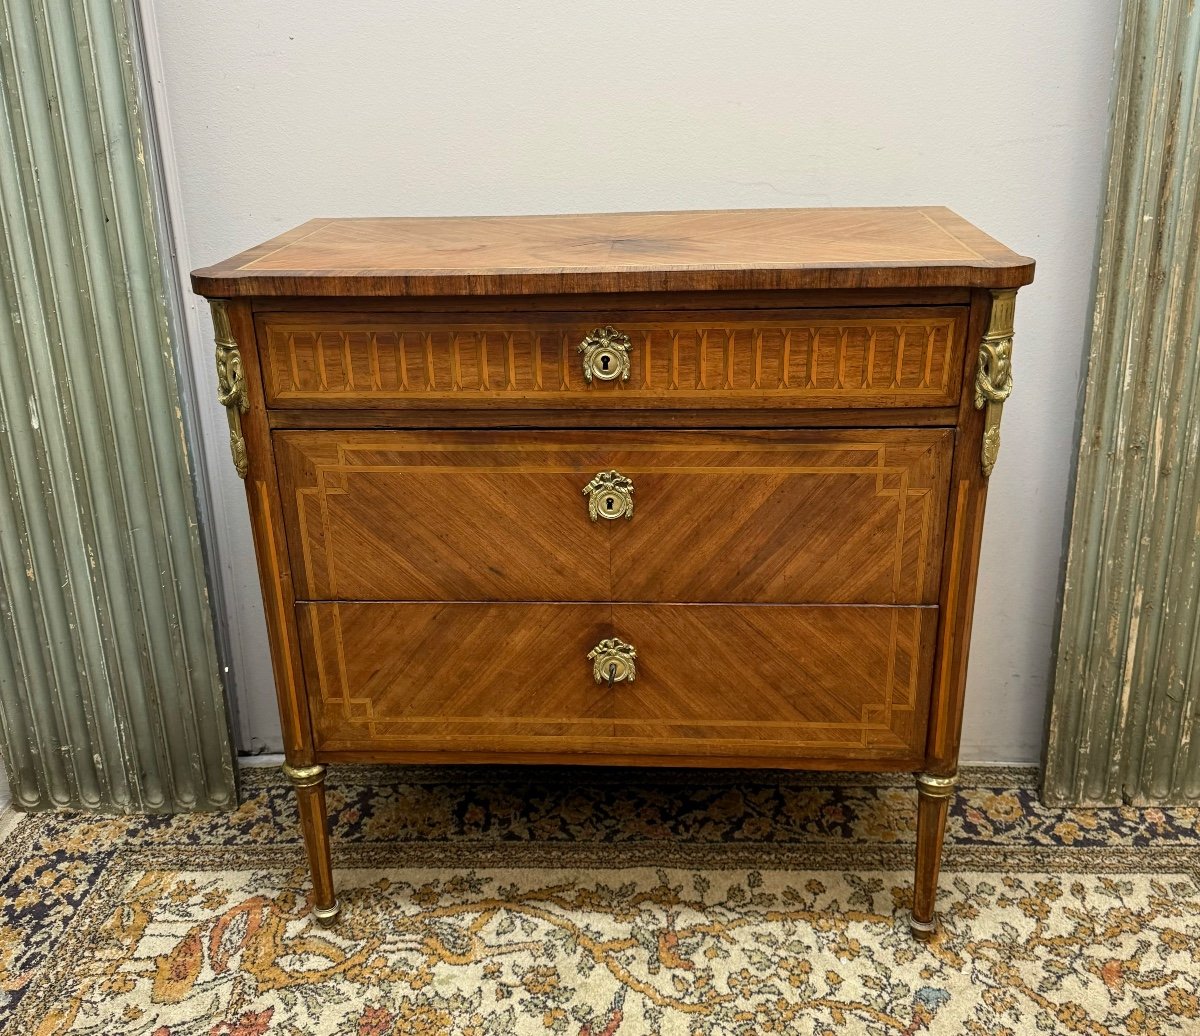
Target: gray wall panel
(1126,700)
(110,693)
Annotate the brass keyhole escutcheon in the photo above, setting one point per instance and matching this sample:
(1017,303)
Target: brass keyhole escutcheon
(610,495)
(605,355)
(613,661)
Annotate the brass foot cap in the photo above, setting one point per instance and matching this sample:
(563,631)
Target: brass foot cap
(325,916)
(923,931)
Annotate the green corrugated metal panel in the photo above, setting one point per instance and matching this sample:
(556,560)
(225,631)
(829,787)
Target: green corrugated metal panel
(110,694)
(1126,701)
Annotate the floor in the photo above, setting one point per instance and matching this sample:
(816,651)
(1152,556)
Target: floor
(593,902)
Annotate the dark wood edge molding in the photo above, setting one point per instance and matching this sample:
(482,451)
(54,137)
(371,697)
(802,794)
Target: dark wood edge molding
(212,282)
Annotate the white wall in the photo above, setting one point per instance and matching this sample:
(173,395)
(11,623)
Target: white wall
(281,110)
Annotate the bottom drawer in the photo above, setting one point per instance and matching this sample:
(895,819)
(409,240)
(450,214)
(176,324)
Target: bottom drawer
(775,684)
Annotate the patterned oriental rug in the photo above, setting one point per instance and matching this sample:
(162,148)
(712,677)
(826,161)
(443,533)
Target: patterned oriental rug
(604,903)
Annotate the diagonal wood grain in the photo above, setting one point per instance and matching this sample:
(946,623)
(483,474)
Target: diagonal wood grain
(776,517)
(719,680)
(840,519)
(454,583)
(824,675)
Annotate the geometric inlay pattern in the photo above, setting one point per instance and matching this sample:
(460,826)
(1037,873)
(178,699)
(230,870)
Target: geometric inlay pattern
(847,517)
(905,357)
(722,680)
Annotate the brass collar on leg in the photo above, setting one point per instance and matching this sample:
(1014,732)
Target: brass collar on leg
(922,930)
(935,787)
(325,916)
(304,776)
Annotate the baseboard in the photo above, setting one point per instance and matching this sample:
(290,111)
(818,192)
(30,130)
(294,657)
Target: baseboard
(9,819)
(250,762)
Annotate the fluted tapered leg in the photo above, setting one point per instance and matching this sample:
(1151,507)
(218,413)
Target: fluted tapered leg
(309,782)
(933,803)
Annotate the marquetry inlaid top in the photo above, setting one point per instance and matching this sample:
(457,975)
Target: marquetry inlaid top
(746,249)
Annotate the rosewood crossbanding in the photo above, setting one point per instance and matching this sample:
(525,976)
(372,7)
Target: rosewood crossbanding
(700,488)
(738,250)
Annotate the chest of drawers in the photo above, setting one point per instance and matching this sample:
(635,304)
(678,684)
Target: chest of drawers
(694,488)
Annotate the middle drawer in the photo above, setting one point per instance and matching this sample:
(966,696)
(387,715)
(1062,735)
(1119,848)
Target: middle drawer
(780,517)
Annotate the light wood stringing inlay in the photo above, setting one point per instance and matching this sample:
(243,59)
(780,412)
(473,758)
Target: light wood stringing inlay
(776,517)
(769,681)
(778,586)
(822,359)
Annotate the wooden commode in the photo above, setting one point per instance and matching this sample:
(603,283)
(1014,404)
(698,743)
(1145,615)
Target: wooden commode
(682,488)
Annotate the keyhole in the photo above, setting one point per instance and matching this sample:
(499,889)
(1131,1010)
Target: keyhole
(604,363)
(608,503)
(612,672)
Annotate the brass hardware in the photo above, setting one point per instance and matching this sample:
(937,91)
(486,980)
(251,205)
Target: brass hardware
(610,495)
(993,380)
(325,916)
(613,661)
(304,776)
(605,355)
(934,787)
(231,384)
(922,930)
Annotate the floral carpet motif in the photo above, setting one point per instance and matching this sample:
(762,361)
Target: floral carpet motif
(604,903)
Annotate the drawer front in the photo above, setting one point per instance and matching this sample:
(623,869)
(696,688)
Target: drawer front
(723,517)
(753,682)
(869,357)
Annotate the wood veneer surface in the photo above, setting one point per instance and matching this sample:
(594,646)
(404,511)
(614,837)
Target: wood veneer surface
(904,356)
(744,249)
(722,680)
(735,516)
(804,423)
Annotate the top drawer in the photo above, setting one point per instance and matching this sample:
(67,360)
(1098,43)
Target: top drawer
(854,358)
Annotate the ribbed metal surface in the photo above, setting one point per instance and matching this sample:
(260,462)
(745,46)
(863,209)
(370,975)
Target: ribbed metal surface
(1126,701)
(110,695)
